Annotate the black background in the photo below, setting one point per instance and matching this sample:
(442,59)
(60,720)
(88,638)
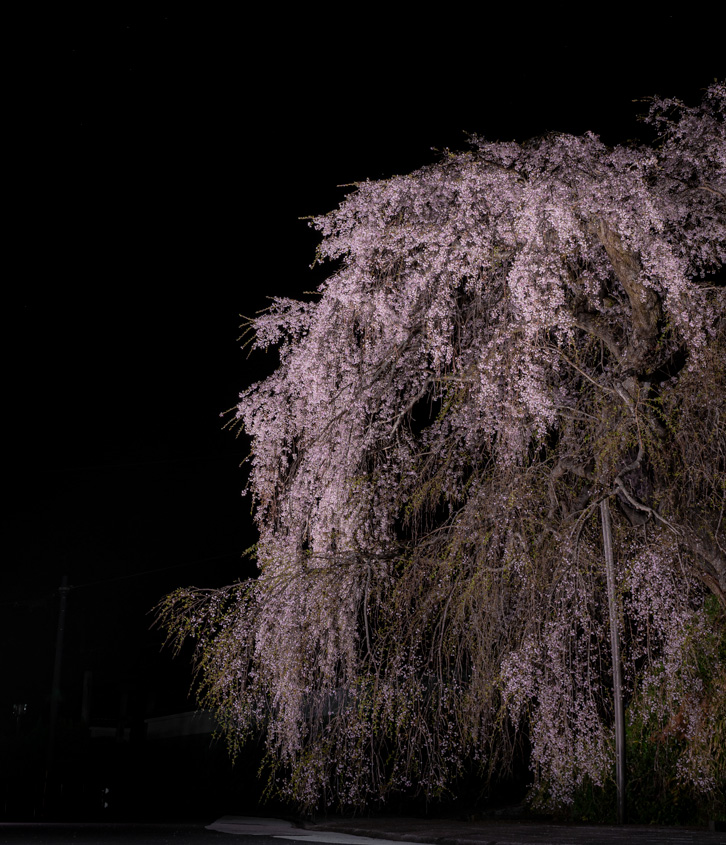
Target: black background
(160,165)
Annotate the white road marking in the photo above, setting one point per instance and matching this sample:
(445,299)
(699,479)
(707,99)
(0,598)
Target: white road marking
(281,829)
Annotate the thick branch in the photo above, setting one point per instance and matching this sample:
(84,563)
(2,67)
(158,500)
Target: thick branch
(589,323)
(711,563)
(644,302)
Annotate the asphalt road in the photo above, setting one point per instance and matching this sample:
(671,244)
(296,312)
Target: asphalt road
(114,834)
(231,830)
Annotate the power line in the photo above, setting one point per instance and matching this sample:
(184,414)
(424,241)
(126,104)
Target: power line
(149,571)
(45,596)
(133,464)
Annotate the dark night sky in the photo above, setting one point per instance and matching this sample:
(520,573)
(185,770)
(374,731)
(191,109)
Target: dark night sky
(161,164)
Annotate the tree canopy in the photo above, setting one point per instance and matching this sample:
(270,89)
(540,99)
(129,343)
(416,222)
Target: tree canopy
(506,339)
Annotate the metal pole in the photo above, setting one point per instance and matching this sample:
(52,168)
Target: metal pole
(617,670)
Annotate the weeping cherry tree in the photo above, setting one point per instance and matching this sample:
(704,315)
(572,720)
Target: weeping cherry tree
(511,345)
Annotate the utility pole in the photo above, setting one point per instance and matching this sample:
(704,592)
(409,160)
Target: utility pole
(607,537)
(63,590)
